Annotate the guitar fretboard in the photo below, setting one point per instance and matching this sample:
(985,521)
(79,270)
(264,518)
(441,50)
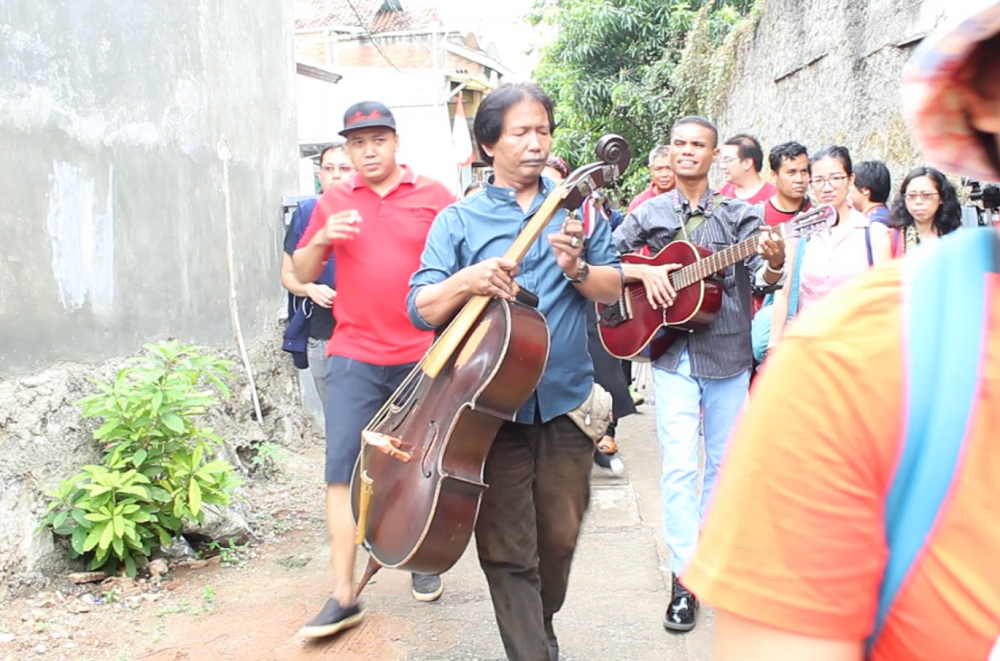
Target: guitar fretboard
(714,263)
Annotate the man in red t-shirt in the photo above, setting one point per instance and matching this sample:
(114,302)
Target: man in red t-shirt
(742,159)
(661,176)
(789,163)
(375,227)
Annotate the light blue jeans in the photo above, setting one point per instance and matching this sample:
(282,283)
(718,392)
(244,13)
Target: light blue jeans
(680,399)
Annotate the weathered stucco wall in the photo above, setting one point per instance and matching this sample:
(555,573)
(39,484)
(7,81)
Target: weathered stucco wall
(135,140)
(829,72)
(113,216)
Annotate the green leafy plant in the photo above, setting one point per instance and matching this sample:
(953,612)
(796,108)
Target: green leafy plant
(231,554)
(157,469)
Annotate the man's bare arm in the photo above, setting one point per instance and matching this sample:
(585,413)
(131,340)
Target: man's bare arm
(740,639)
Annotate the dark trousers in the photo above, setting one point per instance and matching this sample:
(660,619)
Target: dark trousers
(529,521)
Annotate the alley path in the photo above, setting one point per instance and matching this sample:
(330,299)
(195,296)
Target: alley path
(613,612)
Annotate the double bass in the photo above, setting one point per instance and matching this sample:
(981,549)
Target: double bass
(418,480)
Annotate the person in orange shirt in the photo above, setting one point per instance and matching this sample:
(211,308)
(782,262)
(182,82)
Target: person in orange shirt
(800,547)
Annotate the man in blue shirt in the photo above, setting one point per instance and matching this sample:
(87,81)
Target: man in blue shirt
(538,469)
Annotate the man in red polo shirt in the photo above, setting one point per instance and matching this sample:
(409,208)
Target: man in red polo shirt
(661,176)
(375,227)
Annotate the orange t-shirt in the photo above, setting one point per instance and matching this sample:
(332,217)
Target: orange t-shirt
(795,536)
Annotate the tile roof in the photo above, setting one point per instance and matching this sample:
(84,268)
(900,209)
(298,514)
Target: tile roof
(371,15)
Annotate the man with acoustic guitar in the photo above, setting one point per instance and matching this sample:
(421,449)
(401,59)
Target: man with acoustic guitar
(707,370)
(538,468)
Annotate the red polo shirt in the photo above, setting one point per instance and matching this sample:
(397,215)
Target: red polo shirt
(374,268)
(642,197)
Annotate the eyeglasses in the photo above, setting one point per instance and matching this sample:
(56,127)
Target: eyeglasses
(835,180)
(926,196)
(728,159)
(330,169)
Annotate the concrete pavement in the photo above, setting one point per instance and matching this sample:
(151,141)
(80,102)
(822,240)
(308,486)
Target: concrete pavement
(617,595)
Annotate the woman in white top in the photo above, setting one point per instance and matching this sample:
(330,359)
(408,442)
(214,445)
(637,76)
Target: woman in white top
(833,256)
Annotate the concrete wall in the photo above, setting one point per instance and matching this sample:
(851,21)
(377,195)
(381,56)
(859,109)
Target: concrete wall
(829,72)
(136,138)
(113,221)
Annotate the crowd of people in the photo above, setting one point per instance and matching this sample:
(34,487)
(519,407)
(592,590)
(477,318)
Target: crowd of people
(795,542)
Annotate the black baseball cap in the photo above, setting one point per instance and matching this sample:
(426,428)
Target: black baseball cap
(366,115)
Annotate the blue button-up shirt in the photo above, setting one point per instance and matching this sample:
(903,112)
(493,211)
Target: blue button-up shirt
(484,225)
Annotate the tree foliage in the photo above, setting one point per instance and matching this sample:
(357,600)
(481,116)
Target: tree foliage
(631,67)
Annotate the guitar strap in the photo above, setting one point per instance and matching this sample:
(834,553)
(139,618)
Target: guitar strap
(697,218)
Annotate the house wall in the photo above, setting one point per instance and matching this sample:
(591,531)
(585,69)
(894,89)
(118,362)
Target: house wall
(137,141)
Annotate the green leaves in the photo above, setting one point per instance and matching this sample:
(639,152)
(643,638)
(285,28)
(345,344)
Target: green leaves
(627,67)
(157,468)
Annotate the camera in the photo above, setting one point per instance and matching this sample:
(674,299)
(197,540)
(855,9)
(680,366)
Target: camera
(986,200)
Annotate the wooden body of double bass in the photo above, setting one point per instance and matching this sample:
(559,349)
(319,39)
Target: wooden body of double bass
(422,511)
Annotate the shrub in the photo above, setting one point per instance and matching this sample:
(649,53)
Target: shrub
(157,469)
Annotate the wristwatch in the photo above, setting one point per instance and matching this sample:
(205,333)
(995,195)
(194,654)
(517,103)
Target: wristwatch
(582,272)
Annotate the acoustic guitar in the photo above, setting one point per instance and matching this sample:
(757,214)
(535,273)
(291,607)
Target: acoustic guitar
(632,324)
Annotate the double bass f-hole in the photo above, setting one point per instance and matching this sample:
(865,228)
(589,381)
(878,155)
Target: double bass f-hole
(425,467)
(402,402)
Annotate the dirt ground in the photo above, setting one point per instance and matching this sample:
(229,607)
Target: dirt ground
(243,604)
(248,604)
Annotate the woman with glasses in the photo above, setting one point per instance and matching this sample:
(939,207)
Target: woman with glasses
(926,208)
(834,256)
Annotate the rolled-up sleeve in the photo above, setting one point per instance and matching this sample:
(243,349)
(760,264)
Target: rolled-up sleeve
(631,234)
(439,261)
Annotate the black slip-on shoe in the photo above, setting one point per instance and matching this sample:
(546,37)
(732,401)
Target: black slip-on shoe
(334,618)
(427,587)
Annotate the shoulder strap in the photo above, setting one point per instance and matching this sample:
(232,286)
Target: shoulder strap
(793,286)
(305,209)
(868,244)
(698,218)
(944,315)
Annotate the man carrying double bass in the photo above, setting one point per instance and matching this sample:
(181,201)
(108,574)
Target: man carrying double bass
(538,469)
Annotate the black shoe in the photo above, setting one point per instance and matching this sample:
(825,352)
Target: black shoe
(427,587)
(683,608)
(609,463)
(334,618)
(553,641)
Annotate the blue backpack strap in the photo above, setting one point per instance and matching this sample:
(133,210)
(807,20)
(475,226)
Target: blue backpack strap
(793,287)
(868,244)
(944,314)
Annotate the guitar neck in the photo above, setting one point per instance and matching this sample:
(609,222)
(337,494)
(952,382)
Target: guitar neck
(714,263)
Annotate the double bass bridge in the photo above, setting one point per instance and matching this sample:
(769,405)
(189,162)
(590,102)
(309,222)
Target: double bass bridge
(387,445)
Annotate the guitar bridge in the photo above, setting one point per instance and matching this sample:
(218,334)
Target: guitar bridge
(615,314)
